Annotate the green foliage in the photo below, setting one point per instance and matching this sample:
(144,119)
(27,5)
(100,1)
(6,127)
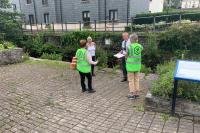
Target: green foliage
(25,56)
(52,56)
(33,45)
(184,39)
(11,26)
(164,84)
(1,47)
(102,57)
(167,17)
(69,52)
(151,55)
(50,48)
(146,70)
(6,45)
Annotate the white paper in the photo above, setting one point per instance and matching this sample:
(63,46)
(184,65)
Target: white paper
(188,70)
(119,55)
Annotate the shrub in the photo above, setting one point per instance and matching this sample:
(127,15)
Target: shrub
(180,38)
(51,56)
(167,17)
(69,52)
(146,70)
(50,48)
(102,57)
(151,54)
(164,84)
(25,56)
(1,47)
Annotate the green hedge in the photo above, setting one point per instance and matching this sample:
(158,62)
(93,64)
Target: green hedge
(163,86)
(171,17)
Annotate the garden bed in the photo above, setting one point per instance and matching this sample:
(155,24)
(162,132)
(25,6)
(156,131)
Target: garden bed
(10,56)
(183,107)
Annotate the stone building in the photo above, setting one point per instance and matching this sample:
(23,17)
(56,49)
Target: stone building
(57,11)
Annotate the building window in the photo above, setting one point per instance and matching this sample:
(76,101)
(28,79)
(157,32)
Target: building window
(46,18)
(31,19)
(14,7)
(113,14)
(84,0)
(44,2)
(86,18)
(28,1)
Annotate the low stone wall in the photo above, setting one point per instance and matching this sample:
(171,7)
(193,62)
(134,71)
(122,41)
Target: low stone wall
(183,107)
(11,56)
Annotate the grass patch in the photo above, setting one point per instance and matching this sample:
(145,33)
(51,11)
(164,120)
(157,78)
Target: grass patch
(49,63)
(139,108)
(165,117)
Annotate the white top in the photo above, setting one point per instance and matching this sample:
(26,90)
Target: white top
(89,58)
(125,45)
(91,49)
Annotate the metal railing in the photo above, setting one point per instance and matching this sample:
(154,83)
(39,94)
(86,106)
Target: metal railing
(150,24)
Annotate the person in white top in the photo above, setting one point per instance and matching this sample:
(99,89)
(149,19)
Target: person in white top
(91,47)
(125,44)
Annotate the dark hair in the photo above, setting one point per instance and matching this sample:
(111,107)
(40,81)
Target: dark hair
(83,43)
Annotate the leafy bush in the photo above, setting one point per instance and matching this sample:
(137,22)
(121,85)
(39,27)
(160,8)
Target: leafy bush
(50,48)
(183,38)
(146,70)
(69,52)
(25,56)
(1,47)
(163,86)
(102,57)
(52,56)
(151,55)
(6,45)
(148,18)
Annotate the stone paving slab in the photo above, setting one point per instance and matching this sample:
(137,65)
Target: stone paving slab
(36,98)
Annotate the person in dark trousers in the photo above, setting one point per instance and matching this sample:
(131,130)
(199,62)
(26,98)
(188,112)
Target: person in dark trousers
(84,62)
(91,47)
(125,45)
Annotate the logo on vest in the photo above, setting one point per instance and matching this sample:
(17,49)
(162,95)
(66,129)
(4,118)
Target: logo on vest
(137,50)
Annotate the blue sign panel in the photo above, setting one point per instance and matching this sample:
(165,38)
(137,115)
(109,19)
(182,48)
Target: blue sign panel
(187,70)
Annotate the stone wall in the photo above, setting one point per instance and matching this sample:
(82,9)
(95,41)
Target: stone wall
(11,56)
(183,107)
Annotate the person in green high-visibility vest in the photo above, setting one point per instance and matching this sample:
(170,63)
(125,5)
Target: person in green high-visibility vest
(133,65)
(84,62)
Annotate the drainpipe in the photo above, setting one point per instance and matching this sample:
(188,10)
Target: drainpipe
(105,2)
(128,8)
(34,5)
(61,12)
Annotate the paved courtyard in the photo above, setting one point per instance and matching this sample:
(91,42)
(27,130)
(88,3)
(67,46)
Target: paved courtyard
(39,98)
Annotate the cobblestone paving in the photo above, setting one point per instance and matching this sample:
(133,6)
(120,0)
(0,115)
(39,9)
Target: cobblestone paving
(41,99)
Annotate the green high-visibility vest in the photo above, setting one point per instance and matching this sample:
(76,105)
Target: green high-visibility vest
(133,62)
(82,62)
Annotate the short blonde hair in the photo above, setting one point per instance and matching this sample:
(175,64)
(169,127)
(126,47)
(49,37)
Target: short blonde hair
(89,38)
(133,38)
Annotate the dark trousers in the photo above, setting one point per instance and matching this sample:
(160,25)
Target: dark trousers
(89,78)
(92,66)
(123,67)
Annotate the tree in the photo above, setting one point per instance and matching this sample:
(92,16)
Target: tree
(10,24)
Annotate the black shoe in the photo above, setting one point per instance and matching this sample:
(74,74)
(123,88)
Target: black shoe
(124,80)
(84,90)
(132,97)
(91,91)
(137,96)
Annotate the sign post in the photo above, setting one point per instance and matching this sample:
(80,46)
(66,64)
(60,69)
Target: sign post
(185,70)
